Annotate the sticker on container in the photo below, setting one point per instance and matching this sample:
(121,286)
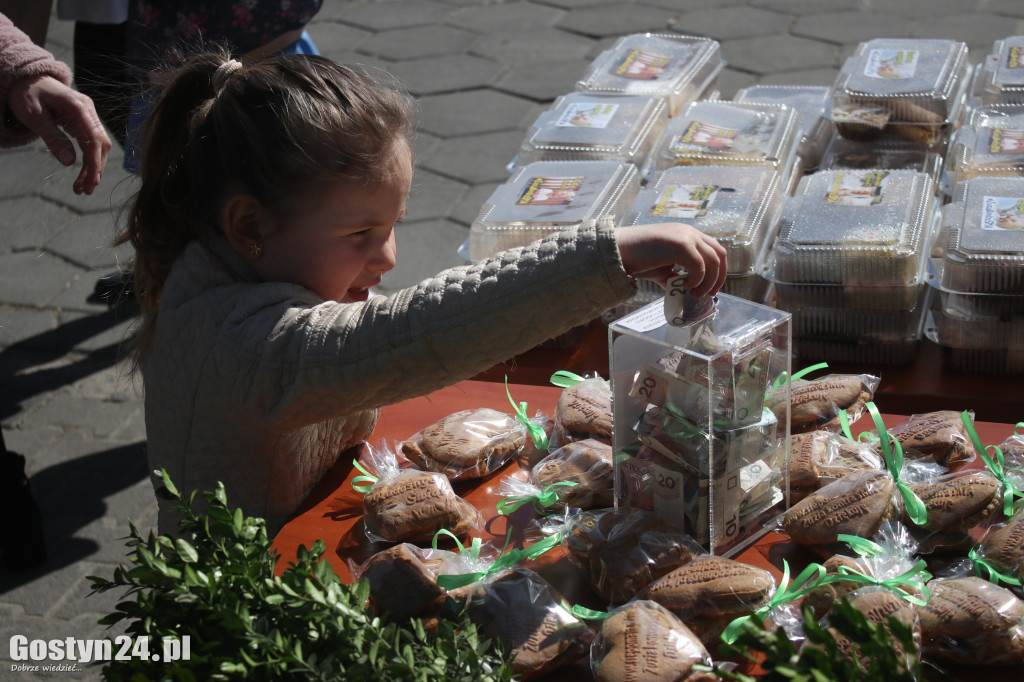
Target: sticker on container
(708,135)
(640,65)
(857,188)
(550,191)
(587,115)
(1002,213)
(1015,57)
(685,201)
(891,64)
(1005,141)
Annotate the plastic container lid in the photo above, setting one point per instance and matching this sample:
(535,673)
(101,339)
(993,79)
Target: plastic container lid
(855,227)
(735,205)
(592,127)
(547,196)
(675,67)
(890,151)
(912,85)
(990,143)
(984,247)
(711,133)
(1002,78)
(810,102)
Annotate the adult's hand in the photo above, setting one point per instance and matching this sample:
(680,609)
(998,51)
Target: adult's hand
(49,108)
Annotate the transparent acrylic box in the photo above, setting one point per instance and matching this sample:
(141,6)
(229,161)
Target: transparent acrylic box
(692,437)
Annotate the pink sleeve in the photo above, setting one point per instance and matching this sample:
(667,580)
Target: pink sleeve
(21,58)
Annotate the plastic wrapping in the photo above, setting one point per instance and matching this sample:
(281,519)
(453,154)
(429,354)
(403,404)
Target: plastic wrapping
(819,457)
(816,405)
(970,620)
(856,504)
(810,101)
(410,505)
(938,435)
(467,444)
(956,503)
(713,133)
(710,592)
(623,551)
(676,67)
(879,605)
(591,127)
(520,609)
(643,641)
(588,464)
(890,152)
(991,145)
(583,410)
(547,196)
(1003,543)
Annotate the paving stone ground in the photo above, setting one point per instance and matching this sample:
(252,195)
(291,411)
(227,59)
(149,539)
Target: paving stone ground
(482,71)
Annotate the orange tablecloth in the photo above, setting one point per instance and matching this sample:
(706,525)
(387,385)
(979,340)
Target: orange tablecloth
(333,510)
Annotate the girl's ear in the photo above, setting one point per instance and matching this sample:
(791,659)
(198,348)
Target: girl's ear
(242,219)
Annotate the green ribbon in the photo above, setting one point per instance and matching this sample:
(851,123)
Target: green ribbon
(984,569)
(506,559)
(474,547)
(365,481)
(997,466)
(781,379)
(540,438)
(583,613)
(811,577)
(564,378)
(844,422)
(861,546)
(546,498)
(916,576)
(893,455)
(678,426)
(1018,429)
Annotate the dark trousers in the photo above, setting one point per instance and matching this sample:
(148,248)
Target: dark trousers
(101,72)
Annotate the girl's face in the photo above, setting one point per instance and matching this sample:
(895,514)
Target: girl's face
(341,242)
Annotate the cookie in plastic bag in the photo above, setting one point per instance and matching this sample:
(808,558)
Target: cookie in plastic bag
(467,444)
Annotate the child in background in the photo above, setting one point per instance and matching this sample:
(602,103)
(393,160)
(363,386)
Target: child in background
(265,214)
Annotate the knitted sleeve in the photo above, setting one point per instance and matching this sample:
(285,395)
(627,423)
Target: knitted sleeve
(21,58)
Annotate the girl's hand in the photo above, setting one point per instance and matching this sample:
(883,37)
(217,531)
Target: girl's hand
(652,251)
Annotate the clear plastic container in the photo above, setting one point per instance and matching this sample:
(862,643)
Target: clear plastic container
(678,68)
(688,403)
(991,143)
(983,249)
(909,86)
(868,227)
(810,102)
(547,196)
(890,151)
(591,127)
(866,325)
(735,205)
(710,133)
(1002,78)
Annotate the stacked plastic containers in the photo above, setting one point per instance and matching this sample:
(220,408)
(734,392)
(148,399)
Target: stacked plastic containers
(814,129)
(1001,77)
(910,87)
(978,315)
(694,439)
(850,263)
(738,206)
(592,127)
(890,152)
(990,143)
(677,68)
(547,196)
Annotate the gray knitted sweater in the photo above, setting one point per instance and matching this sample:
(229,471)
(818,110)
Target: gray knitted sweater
(262,385)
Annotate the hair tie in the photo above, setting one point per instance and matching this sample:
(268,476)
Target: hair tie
(220,76)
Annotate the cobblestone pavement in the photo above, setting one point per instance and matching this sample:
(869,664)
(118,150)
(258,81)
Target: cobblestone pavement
(482,71)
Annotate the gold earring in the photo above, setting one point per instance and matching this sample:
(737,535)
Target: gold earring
(255,250)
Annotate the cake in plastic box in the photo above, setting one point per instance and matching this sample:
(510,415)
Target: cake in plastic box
(908,86)
(890,151)
(990,143)
(712,133)
(675,67)
(810,102)
(589,127)
(983,249)
(1002,75)
(547,196)
(850,227)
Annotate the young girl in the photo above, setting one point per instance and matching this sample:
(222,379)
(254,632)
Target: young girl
(265,214)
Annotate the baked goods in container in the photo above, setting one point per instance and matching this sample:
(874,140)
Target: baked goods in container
(588,464)
(809,101)
(584,410)
(939,435)
(815,405)
(855,504)
(467,444)
(970,620)
(413,505)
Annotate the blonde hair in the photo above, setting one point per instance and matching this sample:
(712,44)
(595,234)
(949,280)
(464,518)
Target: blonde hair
(274,129)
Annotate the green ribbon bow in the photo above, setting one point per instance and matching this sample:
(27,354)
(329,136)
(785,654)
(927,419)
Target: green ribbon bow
(365,482)
(984,569)
(811,577)
(546,498)
(506,559)
(861,546)
(539,436)
(474,547)
(997,466)
(893,455)
(781,379)
(583,613)
(564,378)
(916,576)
